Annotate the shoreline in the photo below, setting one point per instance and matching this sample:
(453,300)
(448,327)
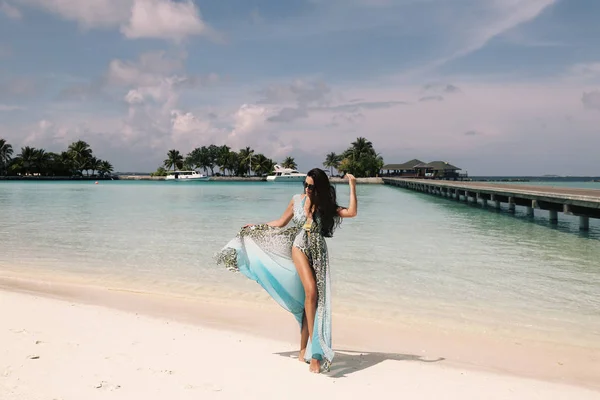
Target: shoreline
(473,352)
(374,180)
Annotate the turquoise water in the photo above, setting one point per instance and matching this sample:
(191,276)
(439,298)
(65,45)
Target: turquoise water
(407,255)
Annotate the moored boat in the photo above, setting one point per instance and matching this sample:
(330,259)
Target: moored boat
(281,174)
(185,176)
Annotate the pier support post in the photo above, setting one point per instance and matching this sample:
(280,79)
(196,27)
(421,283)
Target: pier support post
(584,223)
(496,201)
(511,204)
(553,216)
(456,195)
(483,200)
(530,209)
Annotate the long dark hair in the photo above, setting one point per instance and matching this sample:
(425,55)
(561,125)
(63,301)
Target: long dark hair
(323,202)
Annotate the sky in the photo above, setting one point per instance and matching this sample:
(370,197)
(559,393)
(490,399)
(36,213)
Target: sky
(495,87)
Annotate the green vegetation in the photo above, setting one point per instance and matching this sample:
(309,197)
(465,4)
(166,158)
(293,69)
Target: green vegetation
(289,162)
(245,162)
(77,159)
(360,159)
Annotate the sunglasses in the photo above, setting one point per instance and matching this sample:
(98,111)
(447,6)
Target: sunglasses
(309,186)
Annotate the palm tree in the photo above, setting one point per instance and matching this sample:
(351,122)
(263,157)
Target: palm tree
(6,152)
(245,160)
(232,163)
(81,154)
(262,165)
(59,164)
(360,148)
(174,159)
(25,161)
(361,159)
(42,160)
(223,157)
(94,164)
(332,161)
(212,157)
(347,165)
(289,162)
(198,158)
(105,168)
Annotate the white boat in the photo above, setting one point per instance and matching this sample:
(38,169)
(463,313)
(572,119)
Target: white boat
(186,176)
(285,175)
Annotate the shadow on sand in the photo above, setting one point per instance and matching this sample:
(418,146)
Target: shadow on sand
(347,362)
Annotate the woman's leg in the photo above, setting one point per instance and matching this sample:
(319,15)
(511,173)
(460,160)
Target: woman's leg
(303,338)
(305,272)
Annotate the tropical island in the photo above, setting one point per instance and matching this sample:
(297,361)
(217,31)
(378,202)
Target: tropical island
(36,162)
(78,162)
(359,159)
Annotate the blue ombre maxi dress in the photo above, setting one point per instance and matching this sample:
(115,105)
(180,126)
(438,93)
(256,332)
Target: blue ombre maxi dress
(264,254)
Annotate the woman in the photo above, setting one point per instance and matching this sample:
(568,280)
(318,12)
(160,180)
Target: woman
(292,263)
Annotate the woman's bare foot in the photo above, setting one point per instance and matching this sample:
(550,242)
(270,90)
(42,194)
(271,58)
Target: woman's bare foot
(315,366)
(301,356)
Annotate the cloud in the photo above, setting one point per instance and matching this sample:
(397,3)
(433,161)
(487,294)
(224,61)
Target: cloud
(585,70)
(81,92)
(300,92)
(5,108)
(163,19)
(154,77)
(149,114)
(20,87)
(148,70)
(288,114)
(10,11)
(136,19)
(88,14)
(474,131)
(432,98)
(364,105)
(458,29)
(441,88)
(502,16)
(591,100)
(303,97)
(248,119)
(451,89)
(298,99)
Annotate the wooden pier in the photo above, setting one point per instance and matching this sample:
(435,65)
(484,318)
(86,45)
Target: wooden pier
(584,203)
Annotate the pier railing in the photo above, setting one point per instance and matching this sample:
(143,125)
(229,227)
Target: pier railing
(584,203)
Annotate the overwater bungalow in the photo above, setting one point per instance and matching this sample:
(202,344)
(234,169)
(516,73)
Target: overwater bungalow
(406,170)
(422,170)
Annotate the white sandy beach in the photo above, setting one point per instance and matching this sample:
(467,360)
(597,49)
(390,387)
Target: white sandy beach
(60,349)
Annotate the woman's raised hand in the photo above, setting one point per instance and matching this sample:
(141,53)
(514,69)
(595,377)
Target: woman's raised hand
(351,179)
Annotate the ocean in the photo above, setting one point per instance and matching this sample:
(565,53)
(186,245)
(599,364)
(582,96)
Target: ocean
(407,256)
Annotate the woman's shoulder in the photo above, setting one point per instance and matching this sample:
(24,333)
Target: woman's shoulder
(298,197)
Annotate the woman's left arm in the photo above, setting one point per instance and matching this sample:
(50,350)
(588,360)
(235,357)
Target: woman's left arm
(351,211)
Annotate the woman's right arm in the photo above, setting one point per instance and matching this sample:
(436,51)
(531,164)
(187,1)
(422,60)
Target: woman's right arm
(284,219)
(351,211)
